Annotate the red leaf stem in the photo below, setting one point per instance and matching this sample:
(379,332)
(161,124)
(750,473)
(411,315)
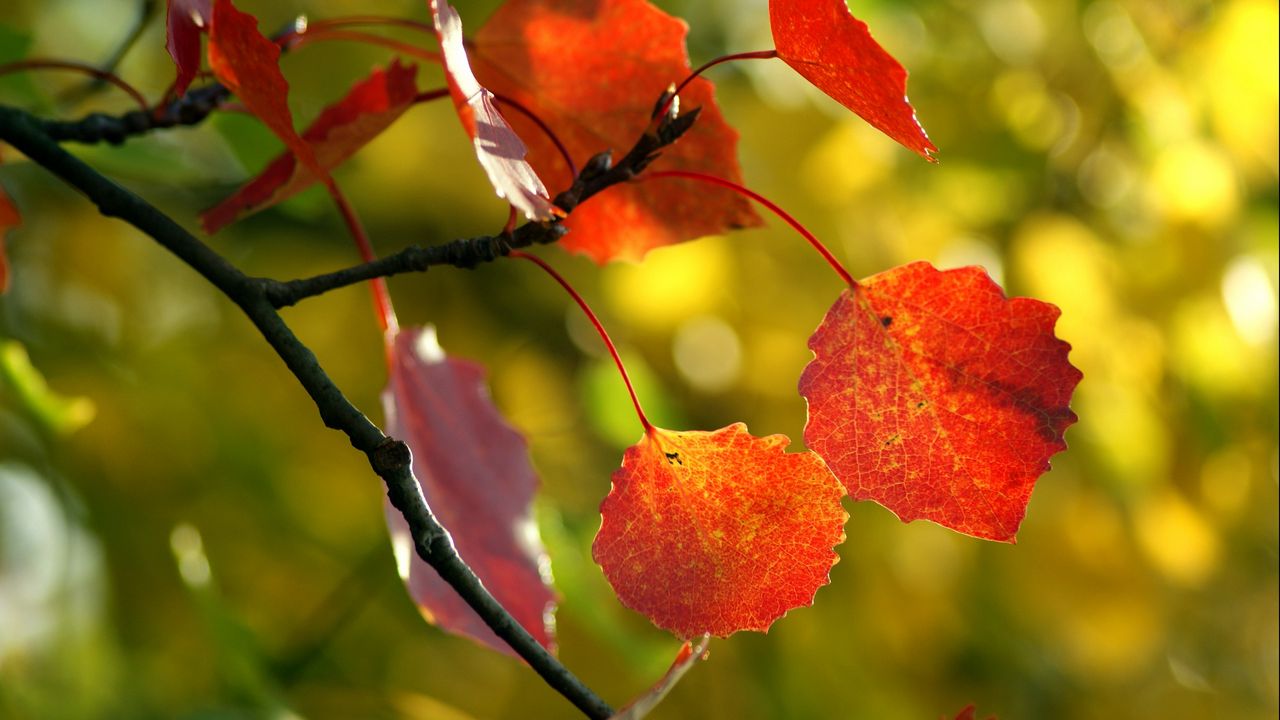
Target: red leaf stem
(595,321)
(79,67)
(378,286)
(309,37)
(754,55)
(551,135)
(774,208)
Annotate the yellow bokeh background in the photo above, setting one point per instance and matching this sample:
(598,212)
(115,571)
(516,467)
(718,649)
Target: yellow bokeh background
(181,537)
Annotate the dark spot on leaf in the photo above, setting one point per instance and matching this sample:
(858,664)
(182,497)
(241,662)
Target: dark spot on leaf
(921,404)
(892,440)
(674,458)
(886,321)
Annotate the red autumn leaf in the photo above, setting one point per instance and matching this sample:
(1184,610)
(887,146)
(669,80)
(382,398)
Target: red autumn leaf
(185,20)
(592,70)
(716,532)
(248,64)
(499,149)
(476,476)
(339,131)
(686,658)
(9,219)
(825,43)
(937,397)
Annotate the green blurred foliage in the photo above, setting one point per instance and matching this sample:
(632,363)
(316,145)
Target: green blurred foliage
(204,548)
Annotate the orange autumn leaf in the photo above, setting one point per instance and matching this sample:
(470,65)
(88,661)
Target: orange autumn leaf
(337,133)
(592,70)
(716,532)
(248,64)
(500,151)
(936,396)
(825,43)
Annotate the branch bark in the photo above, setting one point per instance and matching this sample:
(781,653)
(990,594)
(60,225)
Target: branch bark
(190,109)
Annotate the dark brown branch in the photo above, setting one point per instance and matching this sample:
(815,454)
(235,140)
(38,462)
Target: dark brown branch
(389,458)
(598,175)
(190,109)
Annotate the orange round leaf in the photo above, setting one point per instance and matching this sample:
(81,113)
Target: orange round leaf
(716,532)
(937,397)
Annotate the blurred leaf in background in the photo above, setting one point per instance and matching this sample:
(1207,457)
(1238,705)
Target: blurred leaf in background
(204,547)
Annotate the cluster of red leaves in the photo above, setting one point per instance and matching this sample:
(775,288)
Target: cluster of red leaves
(473,468)
(591,69)
(930,391)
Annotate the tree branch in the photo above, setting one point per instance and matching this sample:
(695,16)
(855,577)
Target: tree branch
(190,109)
(458,253)
(390,458)
(597,175)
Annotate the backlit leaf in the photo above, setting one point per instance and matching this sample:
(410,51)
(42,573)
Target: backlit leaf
(248,64)
(937,397)
(184,21)
(341,129)
(592,70)
(832,49)
(476,476)
(499,149)
(716,532)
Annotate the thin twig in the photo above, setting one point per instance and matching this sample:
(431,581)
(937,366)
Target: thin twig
(77,67)
(141,19)
(190,109)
